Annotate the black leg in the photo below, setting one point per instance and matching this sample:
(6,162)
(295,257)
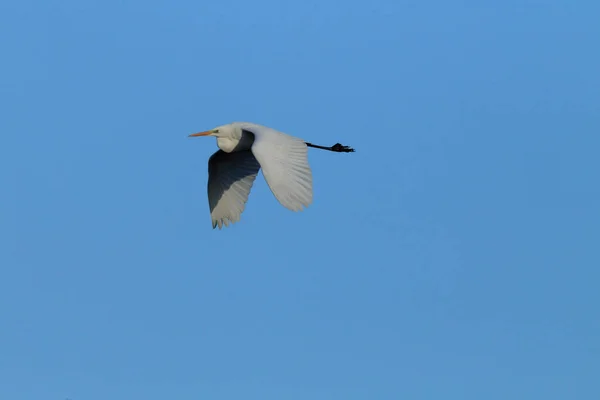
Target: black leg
(338,148)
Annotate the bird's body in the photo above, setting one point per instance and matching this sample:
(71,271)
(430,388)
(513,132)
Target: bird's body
(245,148)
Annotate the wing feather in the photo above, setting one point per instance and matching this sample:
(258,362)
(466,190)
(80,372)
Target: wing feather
(284,162)
(230,178)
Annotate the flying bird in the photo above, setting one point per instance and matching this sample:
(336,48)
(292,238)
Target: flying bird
(245,148)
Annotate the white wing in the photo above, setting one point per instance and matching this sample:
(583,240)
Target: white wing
(230,178)
(284,162)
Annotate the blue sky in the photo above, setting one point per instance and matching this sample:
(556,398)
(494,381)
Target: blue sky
(453,256)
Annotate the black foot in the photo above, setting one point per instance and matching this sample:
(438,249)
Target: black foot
(341,148)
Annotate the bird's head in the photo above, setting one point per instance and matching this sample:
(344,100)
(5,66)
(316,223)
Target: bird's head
(219,131)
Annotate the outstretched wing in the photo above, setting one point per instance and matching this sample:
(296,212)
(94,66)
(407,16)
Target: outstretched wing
(230,178)
(284,162)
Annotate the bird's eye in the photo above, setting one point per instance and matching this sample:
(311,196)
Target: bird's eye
(215,131)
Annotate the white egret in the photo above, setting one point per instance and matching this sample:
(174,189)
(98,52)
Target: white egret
(245,148)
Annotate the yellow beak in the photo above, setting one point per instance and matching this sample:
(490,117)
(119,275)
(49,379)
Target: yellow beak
(205,133)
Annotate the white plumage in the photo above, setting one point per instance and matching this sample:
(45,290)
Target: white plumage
(245,148)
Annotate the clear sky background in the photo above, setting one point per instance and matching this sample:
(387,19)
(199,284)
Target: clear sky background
(455,255)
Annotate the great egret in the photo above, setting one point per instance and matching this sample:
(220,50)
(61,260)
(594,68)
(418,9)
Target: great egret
(245,148)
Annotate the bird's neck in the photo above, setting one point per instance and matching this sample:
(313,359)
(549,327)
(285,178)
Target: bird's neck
(229,144)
